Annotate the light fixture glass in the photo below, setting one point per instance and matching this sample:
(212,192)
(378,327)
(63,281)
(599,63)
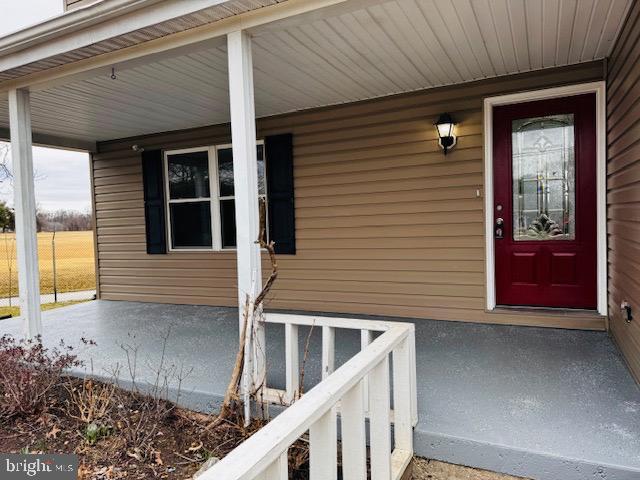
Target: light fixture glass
(446,134)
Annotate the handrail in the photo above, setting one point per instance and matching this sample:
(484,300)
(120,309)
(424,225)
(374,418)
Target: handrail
(264,454)
(335,322)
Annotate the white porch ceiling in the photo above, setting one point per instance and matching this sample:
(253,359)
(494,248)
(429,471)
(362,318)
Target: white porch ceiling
(357,50)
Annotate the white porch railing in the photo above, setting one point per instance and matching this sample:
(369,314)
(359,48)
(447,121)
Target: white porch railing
(359,388)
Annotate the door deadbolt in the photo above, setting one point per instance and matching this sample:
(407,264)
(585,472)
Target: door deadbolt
(498,229)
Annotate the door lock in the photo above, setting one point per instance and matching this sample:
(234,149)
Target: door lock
(498,229)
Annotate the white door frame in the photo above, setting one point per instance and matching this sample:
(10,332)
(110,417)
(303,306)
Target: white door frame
(599,88)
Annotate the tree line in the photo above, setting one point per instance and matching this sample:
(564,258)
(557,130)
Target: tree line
(57,221)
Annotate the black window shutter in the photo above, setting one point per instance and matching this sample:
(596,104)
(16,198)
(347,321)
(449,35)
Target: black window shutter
(154,215)
(279,164)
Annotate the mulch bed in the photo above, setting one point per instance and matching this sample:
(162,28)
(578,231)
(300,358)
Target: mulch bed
(169,443)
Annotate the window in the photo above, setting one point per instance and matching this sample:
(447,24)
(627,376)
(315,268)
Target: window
(200,197)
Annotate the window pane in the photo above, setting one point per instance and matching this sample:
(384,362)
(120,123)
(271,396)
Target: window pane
(228,221)
(225,171)
(544,178)
(188,175)
(190,224)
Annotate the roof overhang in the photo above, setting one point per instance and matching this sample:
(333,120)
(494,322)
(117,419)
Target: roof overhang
(116,27)
(307,53)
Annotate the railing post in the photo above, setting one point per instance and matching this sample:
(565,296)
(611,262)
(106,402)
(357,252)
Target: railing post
(414,380)
(380,421)
(323,448)
(354,437)
(402,396)
(292,360)
(328,351)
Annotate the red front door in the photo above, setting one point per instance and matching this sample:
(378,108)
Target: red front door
(545,203)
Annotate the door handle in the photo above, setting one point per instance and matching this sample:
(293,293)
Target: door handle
(499,228)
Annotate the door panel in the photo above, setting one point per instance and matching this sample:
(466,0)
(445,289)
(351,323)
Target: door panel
(545,203)
(524,268)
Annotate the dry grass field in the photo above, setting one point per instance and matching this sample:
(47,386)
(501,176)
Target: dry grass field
(75,265)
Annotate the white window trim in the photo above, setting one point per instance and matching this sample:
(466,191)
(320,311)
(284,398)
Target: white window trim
(599,88)
(214,198)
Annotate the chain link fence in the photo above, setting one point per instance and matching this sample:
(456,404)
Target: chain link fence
(67,267)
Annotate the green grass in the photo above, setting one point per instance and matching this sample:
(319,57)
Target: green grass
(15,311)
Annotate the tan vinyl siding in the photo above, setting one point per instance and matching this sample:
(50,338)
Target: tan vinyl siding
(386,224)
(623,186)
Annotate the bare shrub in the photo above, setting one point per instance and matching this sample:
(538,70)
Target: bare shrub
(145,408)
(28,373)
(90,401)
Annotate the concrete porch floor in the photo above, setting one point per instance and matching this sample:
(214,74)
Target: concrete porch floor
(543,403)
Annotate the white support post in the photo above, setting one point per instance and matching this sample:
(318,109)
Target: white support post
(25,206)
(323,448)
(354,435)
(245,181)
(380,421)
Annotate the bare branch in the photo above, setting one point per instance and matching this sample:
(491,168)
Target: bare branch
(251,310)
(5,172)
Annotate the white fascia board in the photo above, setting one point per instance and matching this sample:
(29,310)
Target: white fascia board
(93,24)
(65,23)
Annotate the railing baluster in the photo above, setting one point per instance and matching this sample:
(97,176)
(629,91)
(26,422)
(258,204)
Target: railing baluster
(292,361)
(366,337)
(402,398)
(328,351)
(380,421)
(354,436)
(278,470)
(323,448)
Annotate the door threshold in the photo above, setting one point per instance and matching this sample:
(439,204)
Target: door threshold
(555,311)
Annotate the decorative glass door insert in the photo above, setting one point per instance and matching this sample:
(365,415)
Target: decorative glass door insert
(543,156)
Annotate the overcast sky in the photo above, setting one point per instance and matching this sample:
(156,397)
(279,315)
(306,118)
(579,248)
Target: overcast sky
(62,177)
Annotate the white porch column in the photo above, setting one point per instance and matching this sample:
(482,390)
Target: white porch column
(245,179)
(25,206)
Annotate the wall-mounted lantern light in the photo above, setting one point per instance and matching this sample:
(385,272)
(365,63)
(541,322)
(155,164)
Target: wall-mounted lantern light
(446,132)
